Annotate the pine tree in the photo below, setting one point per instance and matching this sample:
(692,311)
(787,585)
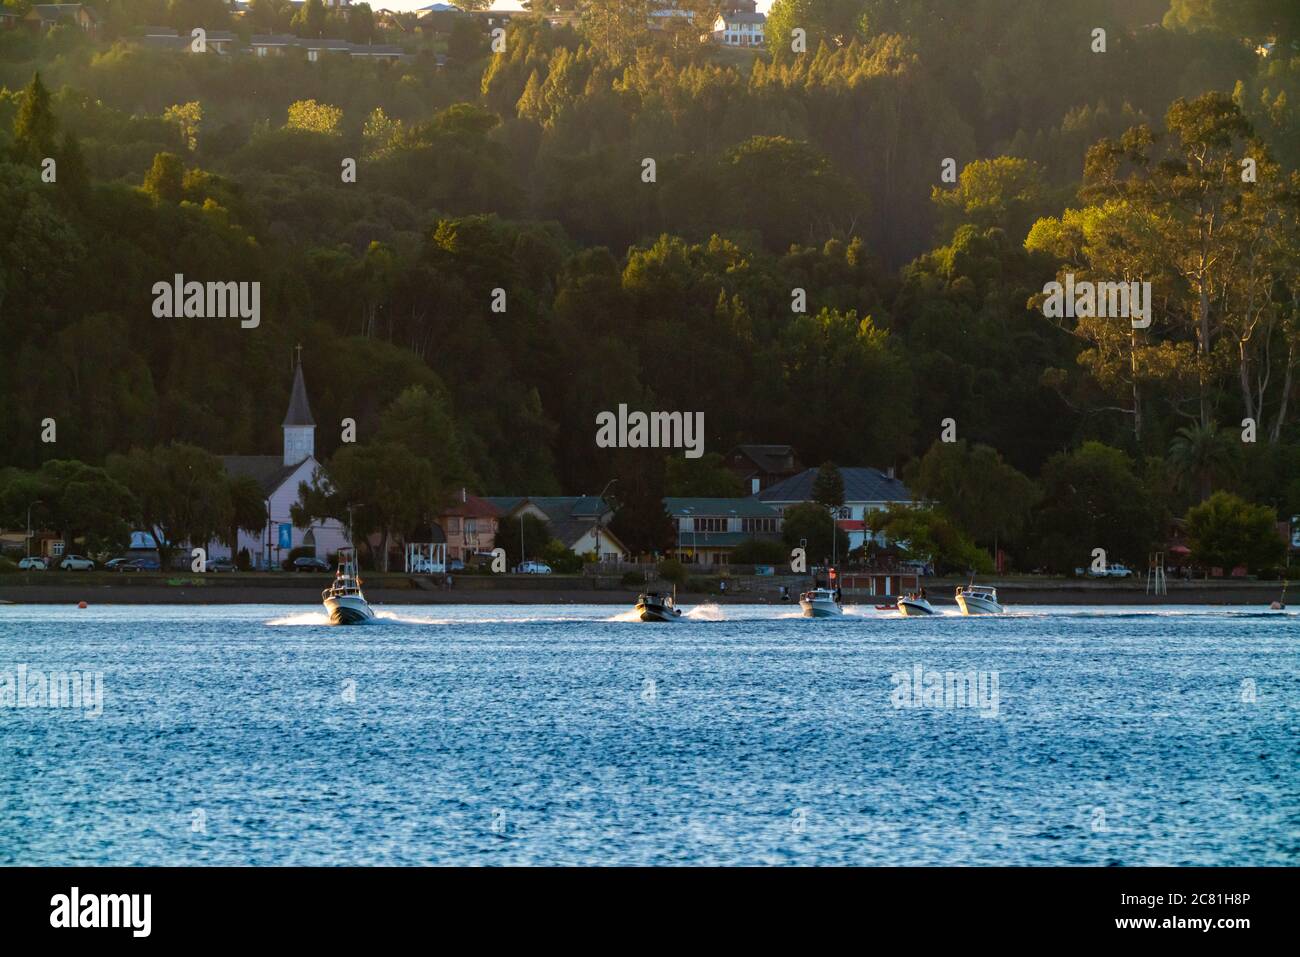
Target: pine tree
(35,126)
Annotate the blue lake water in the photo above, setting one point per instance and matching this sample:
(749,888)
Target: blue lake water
(562,735)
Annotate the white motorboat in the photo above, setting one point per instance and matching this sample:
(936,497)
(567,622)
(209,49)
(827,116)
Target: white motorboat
(344,600)
(821,603)
(653,606)
(978,600)
(915,606)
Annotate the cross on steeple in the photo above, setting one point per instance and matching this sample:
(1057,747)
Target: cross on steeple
(298,349)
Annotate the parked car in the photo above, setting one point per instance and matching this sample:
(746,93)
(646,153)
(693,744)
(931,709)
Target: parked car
(139,565)
(220,565)
(113,564)
(533,568)
(77,563)
(420,565)
(1118,571)
(456,565)
(34,563)
(309,563)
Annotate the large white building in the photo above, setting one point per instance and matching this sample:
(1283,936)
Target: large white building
(739,29)
(279,477)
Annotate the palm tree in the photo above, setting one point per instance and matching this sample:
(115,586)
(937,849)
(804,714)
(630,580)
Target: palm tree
(1200,454)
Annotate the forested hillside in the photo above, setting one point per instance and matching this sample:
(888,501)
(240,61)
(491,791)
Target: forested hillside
(525,171)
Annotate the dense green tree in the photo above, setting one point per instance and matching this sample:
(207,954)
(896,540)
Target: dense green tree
(1199,455)
(247,508)
(1093,499)
(422,422)
(35,126)
(180,495)
(534,532)
(86,505)
(1257,19)
(929,535)
(165,180)
(834,22)
(361,23)
(1225,531)
(310,19)
(389,489)
(812,524)
(828,486)
(705,477)
(984,496)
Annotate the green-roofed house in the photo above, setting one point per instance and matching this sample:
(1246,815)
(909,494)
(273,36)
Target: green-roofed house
(709,529)
(579,522)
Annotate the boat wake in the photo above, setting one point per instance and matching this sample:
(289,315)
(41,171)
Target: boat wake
(304,618)
(709,612)
(630,615)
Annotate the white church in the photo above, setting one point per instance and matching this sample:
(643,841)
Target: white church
(279,477)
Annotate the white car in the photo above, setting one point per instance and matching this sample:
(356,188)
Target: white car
(426,566)
(77,563)
(34,563)
(533,568)
(1118,571)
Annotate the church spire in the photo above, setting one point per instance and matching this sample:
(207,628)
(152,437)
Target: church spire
(299,426)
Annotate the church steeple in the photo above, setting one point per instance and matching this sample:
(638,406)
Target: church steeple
(299,427)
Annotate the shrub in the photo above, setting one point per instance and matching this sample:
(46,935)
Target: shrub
(8,566)
(633,578)
(760,551)
(672,571)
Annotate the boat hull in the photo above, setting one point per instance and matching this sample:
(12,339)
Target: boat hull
(655,614)
(976,605)
(819,608)
(915,607)
(348,610)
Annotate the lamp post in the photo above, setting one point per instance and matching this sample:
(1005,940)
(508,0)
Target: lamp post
(732,511)
(687,512)
(29,525)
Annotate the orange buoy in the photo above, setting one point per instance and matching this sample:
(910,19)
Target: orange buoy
(81,604)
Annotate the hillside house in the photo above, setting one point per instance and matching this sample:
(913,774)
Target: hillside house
(469,526)
(709,529)
(579,522)
(762,466)
(46,16)
(866,490)
(739,29)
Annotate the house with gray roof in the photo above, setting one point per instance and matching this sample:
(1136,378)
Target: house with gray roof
(761,466)
(579,522)
(46,16)
(866,490)
(710,529)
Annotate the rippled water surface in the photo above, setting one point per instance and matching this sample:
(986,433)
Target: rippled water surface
(564,735)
